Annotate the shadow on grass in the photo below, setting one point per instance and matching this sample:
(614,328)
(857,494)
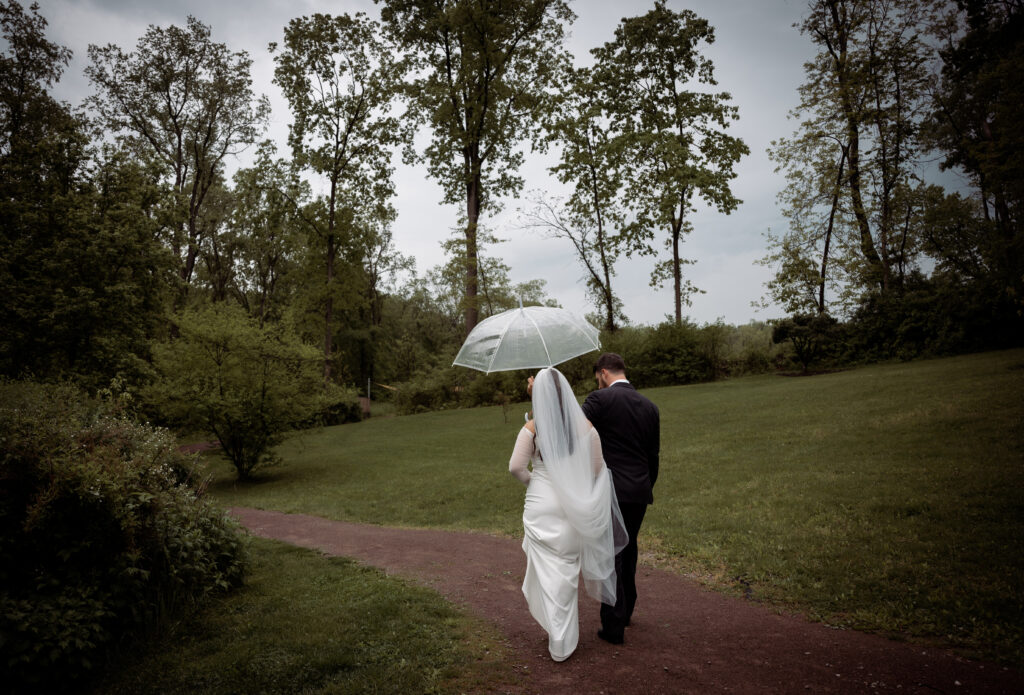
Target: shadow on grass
(811,372)
(253,482)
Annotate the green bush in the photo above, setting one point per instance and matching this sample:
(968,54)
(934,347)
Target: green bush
(246,384)
(750,350)
(811,336)
(666,354)
(433,390)
(663,355)
(933,316)
(99,540)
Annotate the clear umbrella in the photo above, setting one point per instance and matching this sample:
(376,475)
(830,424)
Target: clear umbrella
(529,337)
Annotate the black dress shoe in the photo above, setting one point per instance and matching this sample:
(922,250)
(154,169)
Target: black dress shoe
(608,637)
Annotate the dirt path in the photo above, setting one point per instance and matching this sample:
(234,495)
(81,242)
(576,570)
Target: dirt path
(684,639)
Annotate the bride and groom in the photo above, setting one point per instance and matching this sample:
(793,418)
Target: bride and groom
(593,469)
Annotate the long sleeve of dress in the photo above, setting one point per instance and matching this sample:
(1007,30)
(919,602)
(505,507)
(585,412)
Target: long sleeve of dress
(596,455)
(521,455)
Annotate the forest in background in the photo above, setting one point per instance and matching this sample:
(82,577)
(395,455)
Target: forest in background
(248,306)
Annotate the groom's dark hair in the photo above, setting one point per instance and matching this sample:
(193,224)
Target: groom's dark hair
(611,362)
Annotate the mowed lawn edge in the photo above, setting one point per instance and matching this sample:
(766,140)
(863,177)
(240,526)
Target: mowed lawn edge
(885,498)
(319,625)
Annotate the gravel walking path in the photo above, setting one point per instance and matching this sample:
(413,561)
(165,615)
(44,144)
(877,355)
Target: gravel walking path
(684,638)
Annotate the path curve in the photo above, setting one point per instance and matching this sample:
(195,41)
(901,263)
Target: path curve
(684,639)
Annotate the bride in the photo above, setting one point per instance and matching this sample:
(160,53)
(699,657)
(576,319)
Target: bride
(571,520)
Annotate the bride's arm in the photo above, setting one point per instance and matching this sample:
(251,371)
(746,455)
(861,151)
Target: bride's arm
(521,455)
(596,455)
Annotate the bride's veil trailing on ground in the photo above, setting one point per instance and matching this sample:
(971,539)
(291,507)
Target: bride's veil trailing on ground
(563,439)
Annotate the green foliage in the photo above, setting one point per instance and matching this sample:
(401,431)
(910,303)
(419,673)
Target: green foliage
(455,387)
(940,315)
(317,625)
(269,196)
(651,78)
(809,334)
(246,384)
(184,103)
(101,534)
(663,355)
(673,354)
(975,121)
(340,76)
(853,168)
(592,216)
(82,273)
(431,391)
(660,356)
(482,82)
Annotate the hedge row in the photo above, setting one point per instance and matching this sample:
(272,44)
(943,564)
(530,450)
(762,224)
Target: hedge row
(102,534)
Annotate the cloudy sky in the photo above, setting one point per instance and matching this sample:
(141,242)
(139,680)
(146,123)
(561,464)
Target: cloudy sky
(758,58)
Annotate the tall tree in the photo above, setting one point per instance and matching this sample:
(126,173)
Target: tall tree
(591,218)
(186,102)
(270,196)
(590,233)
(853,167)
(483,75)
(340,77)
(812,256)
(217,267)
(651,75)
(81,270)
(976,121)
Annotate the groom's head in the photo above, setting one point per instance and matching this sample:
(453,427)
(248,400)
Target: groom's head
(608,368)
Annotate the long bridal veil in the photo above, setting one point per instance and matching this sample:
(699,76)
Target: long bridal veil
(586,495)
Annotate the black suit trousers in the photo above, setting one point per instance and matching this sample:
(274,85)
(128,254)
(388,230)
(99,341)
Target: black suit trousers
(615,618)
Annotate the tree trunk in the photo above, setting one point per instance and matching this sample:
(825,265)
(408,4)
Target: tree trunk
(473,192)
(609,298)
(828,232)
(867,244)
(329,304)
(677,274)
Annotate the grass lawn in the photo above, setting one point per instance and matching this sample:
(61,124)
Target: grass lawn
(316,625)
(888,498)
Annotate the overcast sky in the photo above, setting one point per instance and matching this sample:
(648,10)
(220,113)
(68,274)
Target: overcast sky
(758,58)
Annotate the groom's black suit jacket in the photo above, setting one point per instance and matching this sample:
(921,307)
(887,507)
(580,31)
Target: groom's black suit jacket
(630,429)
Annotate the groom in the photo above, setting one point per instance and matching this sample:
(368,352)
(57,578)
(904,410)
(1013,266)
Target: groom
(629,427)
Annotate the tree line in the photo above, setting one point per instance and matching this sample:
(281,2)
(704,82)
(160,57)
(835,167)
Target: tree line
(129,253)
(896,87)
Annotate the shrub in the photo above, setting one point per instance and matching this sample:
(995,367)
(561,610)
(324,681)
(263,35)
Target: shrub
(665,355)
(811,335)
(246,384)
(933,316)
(337,406)
(98,538)
(751,350)
(431,390)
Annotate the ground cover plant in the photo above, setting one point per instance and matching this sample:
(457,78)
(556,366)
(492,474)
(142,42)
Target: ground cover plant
(317,625)
(885,498)
(102,534)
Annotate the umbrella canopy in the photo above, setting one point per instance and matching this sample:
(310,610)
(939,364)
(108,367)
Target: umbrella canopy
(529,337)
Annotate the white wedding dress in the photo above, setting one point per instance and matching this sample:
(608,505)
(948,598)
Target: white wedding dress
(552,547)
(572,525)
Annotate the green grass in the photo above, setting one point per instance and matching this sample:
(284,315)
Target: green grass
(446,469)
(309,624)
(887,498)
